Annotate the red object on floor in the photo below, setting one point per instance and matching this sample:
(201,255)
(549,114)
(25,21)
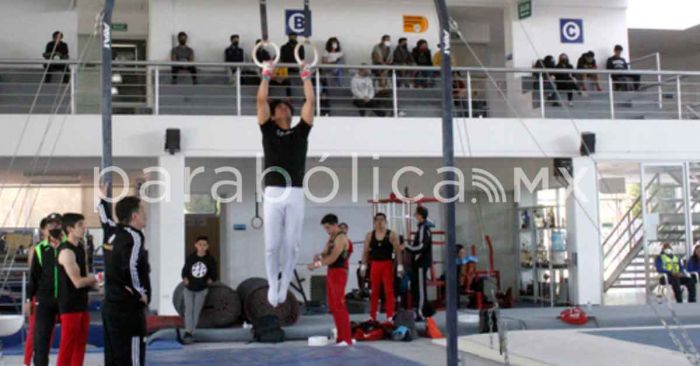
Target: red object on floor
(74,335)
(335,286)
(29,343)
(574,316)
(382,275)
(432,330)
(155,323)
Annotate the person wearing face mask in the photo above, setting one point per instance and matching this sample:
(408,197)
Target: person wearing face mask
(43,287)
(182,53)
(381,55)
(669,264)
(402,56)
(565,82)
(287,53)
(333,55)
(234,53)
(421,55)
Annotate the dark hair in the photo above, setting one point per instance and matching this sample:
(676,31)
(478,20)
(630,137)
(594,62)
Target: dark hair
(618,47)
(380,214)
(421,42)
(344,224)
(258,41)
(127,207)
(330,219)
(329,44)
(402,39)
(234,36)
(459,247)
(53,36)
(70,219)
(421,210)
(181,34)
(275,103)
(43,223)
(695,257)
(202,237)
(386,36)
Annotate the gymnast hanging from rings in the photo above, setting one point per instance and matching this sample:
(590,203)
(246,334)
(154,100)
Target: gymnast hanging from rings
(285,149)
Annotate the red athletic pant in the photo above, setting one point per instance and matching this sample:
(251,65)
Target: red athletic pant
(335,286)
(29,342)
(74,334)
(382,275)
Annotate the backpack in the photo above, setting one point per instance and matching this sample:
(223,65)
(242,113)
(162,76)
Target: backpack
(266,329)
(405,319)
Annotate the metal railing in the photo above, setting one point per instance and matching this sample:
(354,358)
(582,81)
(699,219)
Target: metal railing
(217,88)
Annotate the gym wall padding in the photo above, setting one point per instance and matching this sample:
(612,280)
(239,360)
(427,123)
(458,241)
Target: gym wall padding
(222,307)
(253,291)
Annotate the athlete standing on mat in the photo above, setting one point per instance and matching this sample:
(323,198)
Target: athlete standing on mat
(421,252)
(43,287)
(335,255)
(285,150)
(127,287)
(380,246)
(74,283)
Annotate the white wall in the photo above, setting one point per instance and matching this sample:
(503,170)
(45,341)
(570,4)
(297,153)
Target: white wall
(358,24)
(604,23)
(133,13)
(26,26)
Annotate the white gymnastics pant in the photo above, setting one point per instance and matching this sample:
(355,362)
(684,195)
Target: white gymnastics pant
(284,219)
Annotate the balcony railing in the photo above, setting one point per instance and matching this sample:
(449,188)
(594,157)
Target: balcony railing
(151,87)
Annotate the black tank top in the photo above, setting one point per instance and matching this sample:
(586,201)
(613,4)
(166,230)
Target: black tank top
(71,299)
(381,250)
(342,261)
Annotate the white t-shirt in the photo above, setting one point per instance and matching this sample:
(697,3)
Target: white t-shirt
(332,57)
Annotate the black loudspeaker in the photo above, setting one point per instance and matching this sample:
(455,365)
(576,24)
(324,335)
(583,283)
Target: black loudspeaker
(172,140)
(587,143)
(563,163)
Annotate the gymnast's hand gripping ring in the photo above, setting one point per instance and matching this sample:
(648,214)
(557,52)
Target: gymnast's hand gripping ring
(265,44)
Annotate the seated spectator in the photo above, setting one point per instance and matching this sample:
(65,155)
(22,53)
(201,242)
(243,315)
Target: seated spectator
(671,265)
(694,261)
(381,56)
(56,50)
(234,53)
(363,93)
(437,58)
(182,53)
(422,57)
(403,57)
(587,62)
(333,55)
(617,62)
(565,82)
(459,95)
(547,79)
(198,273)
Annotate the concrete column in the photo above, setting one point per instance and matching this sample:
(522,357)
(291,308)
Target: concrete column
(168,230)
(583,234)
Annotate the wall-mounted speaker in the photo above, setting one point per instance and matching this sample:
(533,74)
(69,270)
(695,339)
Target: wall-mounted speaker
(172,140)
(587,143)
(563,163)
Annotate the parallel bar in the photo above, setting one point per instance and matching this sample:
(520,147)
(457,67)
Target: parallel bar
(611,97)
(679,96)
(395,92)
(238,90)
(469,95)
(107,92)
(448,190)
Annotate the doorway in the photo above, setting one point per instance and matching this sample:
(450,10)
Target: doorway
(203,224)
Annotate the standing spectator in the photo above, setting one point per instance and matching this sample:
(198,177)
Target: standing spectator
(422,57)
(56,50)
(565,82)
(182,53)
(617,62)
(381,56)
(363,93)
(402,57)
(287,53)
(262,55)
(587,62)
(234,53)
(333,55)
(198,273)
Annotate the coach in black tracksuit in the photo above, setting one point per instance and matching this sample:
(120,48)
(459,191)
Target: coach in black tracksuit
(43,285)
(421,251)
(127,287)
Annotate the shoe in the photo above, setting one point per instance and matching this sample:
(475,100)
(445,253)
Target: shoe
(342,344)
(571,104)
(188,338)
(282,297)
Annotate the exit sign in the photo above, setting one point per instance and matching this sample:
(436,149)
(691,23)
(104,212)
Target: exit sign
(524,9)
(120,27)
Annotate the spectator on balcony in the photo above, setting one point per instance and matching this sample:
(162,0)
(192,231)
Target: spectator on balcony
(56,50)
(422,57)
(565,82)
(234,53)
(182,53)
(671,268)
(287,53)
(459,95)
(333,55)
(363,93)
(381,56)
(587,62)
(617,62)
(437,58)
(694,261)
(403,57)
(262,55)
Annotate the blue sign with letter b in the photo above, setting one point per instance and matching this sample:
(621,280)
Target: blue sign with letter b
(295,22)
(571,30)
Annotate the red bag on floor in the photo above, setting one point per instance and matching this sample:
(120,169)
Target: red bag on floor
(574,316)
(372,331)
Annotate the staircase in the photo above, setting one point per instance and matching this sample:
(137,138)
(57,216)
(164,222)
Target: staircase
(623,254)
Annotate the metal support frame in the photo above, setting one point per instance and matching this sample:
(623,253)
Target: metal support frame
(107,92)
(395,92)
(611,91)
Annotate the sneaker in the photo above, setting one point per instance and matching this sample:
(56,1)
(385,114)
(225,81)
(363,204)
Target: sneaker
(342,344)
(188,338)
(571,104)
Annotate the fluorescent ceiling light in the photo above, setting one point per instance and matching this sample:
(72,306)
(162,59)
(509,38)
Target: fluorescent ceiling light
(667,14)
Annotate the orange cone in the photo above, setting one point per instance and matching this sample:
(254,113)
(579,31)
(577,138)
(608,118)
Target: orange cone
(432,330)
